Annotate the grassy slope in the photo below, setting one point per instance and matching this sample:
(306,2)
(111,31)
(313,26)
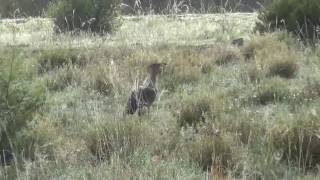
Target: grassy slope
(256,124)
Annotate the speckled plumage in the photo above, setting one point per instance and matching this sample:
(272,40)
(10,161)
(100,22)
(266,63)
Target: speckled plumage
(144,96)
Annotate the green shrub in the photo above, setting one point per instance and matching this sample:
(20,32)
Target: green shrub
(92,15)
(20,98)
(299,17)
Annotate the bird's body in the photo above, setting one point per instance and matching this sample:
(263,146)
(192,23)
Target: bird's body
(144,96)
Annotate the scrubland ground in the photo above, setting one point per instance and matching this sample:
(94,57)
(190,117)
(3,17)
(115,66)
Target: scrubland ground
(224,112)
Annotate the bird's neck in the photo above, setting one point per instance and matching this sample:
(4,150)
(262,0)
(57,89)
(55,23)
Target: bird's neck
(153,78)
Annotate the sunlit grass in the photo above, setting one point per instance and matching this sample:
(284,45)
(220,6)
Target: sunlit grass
(222,110)
(144,30)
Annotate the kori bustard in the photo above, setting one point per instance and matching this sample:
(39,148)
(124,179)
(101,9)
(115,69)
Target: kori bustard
(145,95)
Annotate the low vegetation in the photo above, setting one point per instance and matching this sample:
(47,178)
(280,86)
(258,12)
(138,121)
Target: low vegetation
(95,16)
(294,16)
(249,112)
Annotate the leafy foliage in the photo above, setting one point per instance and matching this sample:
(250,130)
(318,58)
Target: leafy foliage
(96,16)
(300,17)
(19,99)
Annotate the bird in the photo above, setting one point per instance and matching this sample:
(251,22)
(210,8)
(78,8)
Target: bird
(145,95)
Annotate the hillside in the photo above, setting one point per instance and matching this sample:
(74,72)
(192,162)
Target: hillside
(223,112)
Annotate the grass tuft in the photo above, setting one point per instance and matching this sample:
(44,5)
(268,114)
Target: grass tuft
(120,139)
(272,91)
(210,152)
(194,110)
(57,58)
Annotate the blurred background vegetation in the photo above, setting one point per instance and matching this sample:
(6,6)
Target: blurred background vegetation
(224,111)
(24,8)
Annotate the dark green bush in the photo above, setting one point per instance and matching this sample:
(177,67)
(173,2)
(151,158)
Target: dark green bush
(90,15)
(300,17)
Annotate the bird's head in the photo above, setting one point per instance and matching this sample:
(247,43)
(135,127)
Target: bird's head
(156,68)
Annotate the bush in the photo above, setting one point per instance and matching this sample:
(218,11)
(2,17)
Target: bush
(300,17)
(91,15)
(272,57)
(20,98)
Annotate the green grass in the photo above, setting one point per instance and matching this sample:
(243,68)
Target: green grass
(240,113)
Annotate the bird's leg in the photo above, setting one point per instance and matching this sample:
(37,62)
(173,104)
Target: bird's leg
(140,111)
